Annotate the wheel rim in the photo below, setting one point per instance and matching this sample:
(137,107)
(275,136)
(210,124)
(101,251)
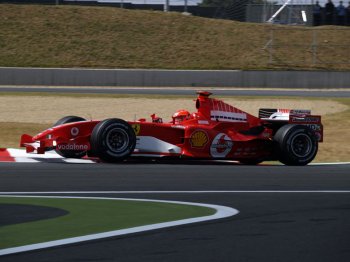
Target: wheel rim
(117,140)
(301,145)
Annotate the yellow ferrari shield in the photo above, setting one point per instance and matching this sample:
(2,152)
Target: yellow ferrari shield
(136,128)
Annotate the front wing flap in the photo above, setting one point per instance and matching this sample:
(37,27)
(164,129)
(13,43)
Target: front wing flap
(41,146)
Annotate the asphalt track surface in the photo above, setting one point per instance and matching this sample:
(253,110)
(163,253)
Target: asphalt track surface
(304,216)
(181,91)
(286,213)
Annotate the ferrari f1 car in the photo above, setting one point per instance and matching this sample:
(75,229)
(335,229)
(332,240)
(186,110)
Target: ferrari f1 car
(215,131)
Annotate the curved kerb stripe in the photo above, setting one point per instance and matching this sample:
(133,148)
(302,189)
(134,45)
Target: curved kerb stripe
(221,212)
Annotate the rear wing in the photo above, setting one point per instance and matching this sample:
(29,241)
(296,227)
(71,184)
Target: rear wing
(281,114)
(294,116)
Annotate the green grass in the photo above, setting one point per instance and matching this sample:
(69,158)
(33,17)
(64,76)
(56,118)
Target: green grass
(107,37)
(88,216)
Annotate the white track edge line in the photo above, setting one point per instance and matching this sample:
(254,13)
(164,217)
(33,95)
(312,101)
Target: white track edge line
(89,161)
(221,212)
(329,163)
(173,192)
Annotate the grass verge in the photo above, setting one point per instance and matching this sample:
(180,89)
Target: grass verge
(89,216)
(108,37)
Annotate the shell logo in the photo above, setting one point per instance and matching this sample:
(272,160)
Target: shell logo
(199,139)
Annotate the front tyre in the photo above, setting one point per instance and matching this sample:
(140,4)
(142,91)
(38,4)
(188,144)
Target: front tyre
(297,145)
(113,140)
(70,153)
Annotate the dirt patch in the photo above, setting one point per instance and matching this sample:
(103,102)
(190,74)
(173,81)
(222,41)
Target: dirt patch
(47,110)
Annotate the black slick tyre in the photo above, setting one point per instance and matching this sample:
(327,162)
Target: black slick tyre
(70,153)
(113,140)
(69,119)
(296,145)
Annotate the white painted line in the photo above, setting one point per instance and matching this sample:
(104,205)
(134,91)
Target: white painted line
(20,155)
(327,164)
(173,192)
(221,212)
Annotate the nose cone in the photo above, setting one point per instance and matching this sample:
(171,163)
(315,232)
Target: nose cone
(44,134)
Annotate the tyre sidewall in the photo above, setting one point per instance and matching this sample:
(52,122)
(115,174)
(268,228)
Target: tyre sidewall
(285,136)
(99,136)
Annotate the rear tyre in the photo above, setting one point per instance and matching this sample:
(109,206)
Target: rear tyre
(70,153)
(296,145)
(113,140)
(69,119)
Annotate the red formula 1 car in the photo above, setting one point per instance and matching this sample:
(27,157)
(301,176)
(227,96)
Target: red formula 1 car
(216,131)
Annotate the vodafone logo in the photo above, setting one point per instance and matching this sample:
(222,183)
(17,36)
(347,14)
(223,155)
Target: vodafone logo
(221,145)
(73,147)
(74,131)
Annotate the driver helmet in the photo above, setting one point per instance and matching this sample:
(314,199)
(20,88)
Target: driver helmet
(180,116)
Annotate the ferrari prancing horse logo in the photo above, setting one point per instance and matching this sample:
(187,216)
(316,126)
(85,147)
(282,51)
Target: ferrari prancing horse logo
(137,128)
